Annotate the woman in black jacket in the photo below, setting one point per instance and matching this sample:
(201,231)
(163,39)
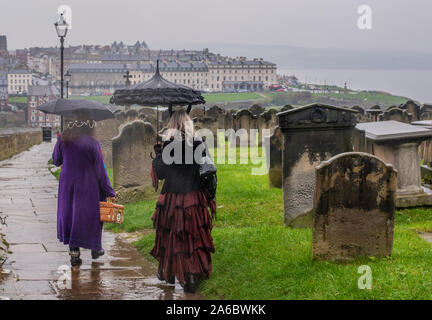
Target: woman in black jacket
(183,243)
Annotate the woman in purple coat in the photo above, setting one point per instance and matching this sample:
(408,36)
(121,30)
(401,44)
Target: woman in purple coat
(83,184)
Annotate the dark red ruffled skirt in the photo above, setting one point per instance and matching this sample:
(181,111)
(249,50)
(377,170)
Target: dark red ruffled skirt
(183,243)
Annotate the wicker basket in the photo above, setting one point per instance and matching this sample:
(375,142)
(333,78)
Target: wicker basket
(111,212)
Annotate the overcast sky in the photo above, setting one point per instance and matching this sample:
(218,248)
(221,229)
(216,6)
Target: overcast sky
(396,25)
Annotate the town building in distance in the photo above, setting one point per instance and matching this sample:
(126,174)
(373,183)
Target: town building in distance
(19,81)
(101,69)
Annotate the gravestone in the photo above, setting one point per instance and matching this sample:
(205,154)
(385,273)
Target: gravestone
(131,115)
(354,207)
(266,120)
(244,119)
(287,107)
(312,134)
(229,119)
(398,143)
(373,112)
(425,149)
(412,108)
(361,114)
(256,109)
(275,162)
(132,162)
(197,112)
(104,132)
(397,114)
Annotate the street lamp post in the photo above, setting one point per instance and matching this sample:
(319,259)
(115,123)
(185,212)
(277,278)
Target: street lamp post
(62,29)
(68,77)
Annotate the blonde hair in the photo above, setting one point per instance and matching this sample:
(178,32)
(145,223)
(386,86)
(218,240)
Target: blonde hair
(180,126)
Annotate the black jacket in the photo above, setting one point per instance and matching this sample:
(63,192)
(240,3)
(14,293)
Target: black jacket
(182,174)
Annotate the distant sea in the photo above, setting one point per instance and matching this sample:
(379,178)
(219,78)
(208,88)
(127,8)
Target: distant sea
(414,84)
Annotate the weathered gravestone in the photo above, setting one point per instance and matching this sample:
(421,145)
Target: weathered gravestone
(197,112)
(275,162)
(244,119)
(104,132)
(256,109)
(354,207)
(132,162)
(397,114)
(266,120)
(412,108)
(312,134)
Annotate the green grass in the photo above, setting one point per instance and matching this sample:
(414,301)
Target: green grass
(227,97)
(257,257)
(101,99)
(209,97)
(18,100)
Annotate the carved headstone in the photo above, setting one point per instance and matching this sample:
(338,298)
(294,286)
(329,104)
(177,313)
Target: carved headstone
(132,162)
(354,207)
(312,134)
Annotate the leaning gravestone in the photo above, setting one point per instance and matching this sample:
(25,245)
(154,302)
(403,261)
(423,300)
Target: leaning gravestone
(132,163)
(312,134)
(354,207)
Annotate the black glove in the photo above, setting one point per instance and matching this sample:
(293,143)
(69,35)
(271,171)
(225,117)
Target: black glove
(158,149)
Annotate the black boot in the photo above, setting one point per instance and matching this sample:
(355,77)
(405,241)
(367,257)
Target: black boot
(170,280)
(75,257)
(191,284)
(97,253)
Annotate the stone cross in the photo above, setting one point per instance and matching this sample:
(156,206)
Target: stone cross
(127,76)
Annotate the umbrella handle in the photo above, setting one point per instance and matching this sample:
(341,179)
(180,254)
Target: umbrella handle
(151,155)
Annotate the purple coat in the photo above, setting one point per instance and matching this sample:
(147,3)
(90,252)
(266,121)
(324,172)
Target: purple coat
(83,184)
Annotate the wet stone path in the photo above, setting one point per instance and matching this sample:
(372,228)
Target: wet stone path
(37,266)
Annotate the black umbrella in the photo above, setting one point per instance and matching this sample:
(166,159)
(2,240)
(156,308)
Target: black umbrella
(158,92)
(68,108)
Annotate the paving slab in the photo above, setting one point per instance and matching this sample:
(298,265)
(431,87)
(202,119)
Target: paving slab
(38,260)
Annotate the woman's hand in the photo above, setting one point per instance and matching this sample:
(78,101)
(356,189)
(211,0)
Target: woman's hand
(157,149)
(111,199)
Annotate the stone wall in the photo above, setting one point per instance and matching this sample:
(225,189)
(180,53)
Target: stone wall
(15,141)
